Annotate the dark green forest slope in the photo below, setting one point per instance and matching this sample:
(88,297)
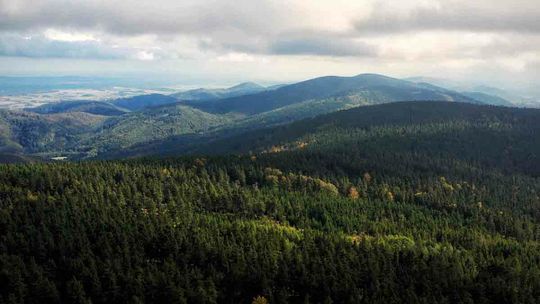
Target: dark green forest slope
(398,203)
(27,133)
(153,124)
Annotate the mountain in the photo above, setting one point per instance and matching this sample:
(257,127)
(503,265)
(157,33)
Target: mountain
(275,86)
(159,124)
(371,88)
(483,93)
(145,126)
(144,101)
(494,136)
(92,107)
(244,89)
(82,135)
(31,133)
(212,94)
(488,99)
(516,98)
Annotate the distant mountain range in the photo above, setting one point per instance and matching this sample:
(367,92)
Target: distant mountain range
(212,94)
(483,93)
(371,88)
(178,123)
(144,101)
(86,106)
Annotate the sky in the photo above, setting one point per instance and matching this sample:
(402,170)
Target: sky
(497,41)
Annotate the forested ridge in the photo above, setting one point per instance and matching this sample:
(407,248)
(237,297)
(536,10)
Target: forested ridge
(148,124)
(438,202)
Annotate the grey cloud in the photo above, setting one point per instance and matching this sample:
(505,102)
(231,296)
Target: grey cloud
(258,17)
(321,46)
(141,17)
(257,46)
(39,47)
(255,27)
(297,42)
(510,46)
(456,16)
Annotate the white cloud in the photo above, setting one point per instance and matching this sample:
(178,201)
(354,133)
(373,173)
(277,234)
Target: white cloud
(144,55)
(300,38)
(240,57)
(53,34)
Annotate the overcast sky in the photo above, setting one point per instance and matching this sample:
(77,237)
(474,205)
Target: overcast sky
(495,40)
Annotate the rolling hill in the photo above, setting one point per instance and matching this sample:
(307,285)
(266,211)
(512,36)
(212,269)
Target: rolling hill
(371,88)
(144,101)
(494,136)
(92,107)
(155,123)
(489,99)
(31,133)
(212,94)
(152,124)
(483,93)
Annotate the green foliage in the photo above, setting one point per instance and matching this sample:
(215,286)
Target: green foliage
(437,202)
(32,133)
(218,230)
(425,132)
(147,126)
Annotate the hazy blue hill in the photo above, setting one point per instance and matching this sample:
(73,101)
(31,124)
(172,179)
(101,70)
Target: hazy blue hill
(197,94)
(275,86)
(92,107)
(144,101)
(477,96)
(246,87)
(488,99)
(212,94)
(375,88)
(483,93)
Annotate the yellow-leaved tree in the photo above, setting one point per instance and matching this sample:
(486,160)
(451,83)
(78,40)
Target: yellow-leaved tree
(259,300)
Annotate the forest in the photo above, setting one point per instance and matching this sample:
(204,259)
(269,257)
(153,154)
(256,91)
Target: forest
(419,202)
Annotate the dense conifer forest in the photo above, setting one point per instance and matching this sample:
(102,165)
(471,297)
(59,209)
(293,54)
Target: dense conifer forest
(425,202)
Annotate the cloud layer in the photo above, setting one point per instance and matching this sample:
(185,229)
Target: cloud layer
(518,16)
(407,37)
